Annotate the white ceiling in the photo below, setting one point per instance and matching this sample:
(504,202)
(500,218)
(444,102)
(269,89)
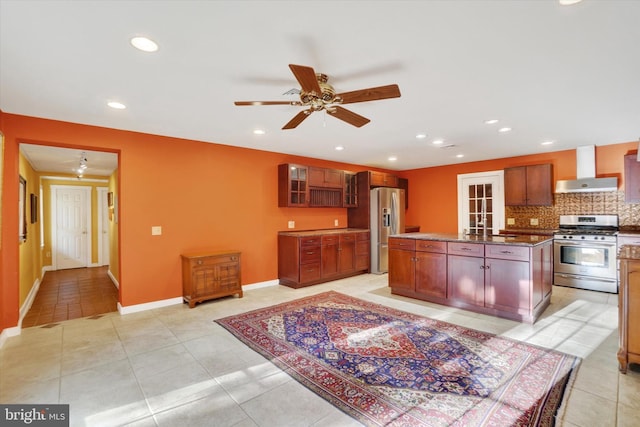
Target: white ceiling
(570,74)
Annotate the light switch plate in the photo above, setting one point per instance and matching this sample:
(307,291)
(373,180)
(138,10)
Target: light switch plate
(533,221)
(335,222)
(292,224)
(511,221)
(156,230)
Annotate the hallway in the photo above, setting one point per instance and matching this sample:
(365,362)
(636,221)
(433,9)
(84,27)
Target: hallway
(71,294)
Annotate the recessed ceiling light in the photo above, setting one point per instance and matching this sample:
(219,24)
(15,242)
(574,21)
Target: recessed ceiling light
(421,135)
(258,132)
(491,122)
(568,2)
(393,158)
(459,156)
(144,44)
(438,142)
(339,148)
(546,143)
(116,105)
(504,130)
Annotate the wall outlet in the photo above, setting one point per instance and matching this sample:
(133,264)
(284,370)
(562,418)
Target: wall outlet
(291,224)
(533,221)
(48,254)
(335,222)
(156,230)
(511,221)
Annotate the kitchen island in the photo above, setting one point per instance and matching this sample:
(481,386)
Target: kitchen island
(508,276)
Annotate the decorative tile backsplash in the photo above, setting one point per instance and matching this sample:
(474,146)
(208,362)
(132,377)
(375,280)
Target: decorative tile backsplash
(605,202)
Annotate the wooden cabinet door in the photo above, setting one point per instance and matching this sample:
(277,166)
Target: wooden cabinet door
(401,273)
(539,183)
(515,186)
(631,179)
(363,251)
(382,179)
(329,256)
(293,190)
(465,279)
(507,285)
(633,314)
(431,274)
(347,253)
(324,177)
(350,190)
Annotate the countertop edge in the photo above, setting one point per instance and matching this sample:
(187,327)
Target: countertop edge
(520,240)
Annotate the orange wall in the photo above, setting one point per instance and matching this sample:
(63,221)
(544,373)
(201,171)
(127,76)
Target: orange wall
(210,196)
(205,196)
(437,186)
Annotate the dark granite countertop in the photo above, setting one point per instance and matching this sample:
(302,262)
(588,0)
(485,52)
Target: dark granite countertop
(629,229)
(323,231)
(536,231)
(496,239)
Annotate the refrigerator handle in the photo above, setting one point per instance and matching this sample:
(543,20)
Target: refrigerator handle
(394,213)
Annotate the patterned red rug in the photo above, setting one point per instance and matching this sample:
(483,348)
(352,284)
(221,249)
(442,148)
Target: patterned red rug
(386,367)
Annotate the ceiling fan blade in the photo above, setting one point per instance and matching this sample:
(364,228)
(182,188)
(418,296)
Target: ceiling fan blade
(297,119)
(348,116)
(306,77)
(370,94)
(267,103)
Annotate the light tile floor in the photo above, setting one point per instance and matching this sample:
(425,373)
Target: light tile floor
(175,367)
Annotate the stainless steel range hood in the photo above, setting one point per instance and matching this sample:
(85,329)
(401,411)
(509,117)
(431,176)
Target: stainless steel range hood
(586,181)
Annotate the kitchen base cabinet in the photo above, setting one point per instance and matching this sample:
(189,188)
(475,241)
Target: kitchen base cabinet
(510,281)
(310,257)
(210,275)
(629,306)
(419,269)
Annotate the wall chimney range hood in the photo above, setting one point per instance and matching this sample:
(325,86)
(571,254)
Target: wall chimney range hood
(586,181)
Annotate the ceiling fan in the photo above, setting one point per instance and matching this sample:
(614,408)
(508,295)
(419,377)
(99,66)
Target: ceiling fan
(317,95)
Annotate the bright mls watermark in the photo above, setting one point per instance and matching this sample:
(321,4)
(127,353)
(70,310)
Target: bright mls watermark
(34,415)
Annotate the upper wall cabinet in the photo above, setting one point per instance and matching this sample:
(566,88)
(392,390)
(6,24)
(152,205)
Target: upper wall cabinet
(528,185)
(325,178)
(382,179)
(631,178)
(350,190)
(293,189)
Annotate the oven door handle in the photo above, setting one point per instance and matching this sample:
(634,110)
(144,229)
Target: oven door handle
(591,279)
(569,243)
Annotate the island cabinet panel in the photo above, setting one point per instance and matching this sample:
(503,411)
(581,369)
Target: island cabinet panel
(210,275)
(401,274)
(507,280)
(629,306)
(310,257)
(631,178)
(466,279)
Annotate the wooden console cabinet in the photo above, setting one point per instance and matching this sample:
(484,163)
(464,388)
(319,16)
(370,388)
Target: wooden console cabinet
(310,257)
(629,306)
(208,275)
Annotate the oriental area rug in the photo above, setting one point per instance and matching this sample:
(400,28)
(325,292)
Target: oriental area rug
(386,367)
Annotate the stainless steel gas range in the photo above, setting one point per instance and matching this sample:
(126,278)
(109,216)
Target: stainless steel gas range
(585,249)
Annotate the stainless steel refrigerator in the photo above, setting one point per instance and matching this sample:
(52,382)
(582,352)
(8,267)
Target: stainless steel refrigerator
(387,218)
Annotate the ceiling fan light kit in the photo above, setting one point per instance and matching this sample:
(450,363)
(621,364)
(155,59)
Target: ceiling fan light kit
(317,94)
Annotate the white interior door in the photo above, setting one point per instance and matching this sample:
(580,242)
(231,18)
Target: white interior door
(103,226)
(481,202)
(71,231)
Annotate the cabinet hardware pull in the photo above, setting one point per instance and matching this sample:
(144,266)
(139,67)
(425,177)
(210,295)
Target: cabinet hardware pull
(310,253)
(506,252)
(465,249)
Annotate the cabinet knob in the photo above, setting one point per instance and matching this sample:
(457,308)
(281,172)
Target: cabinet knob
(199,261)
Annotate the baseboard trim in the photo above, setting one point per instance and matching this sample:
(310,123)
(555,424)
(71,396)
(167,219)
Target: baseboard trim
(148,305)
(259,285)
(113,279)
(28,302)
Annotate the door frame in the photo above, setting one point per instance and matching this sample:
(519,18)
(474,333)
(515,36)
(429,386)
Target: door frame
(54,217)
(496,179)
(102,211)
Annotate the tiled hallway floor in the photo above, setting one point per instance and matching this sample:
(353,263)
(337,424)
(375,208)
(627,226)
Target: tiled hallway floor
(71,294)
(175,367)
